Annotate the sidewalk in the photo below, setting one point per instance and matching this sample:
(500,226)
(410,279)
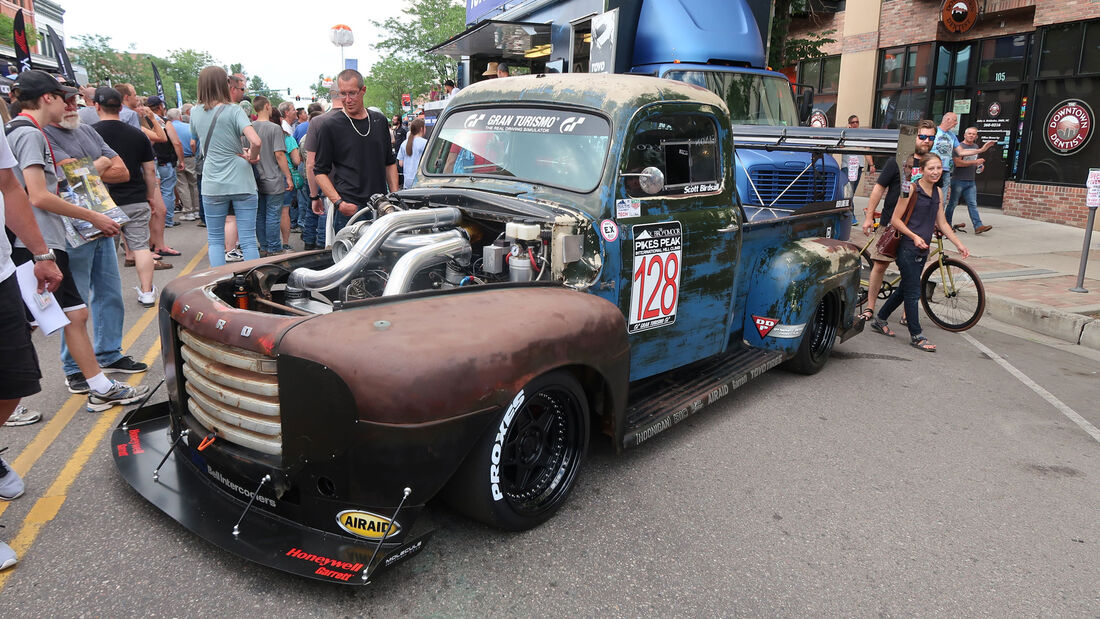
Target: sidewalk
(1028,268)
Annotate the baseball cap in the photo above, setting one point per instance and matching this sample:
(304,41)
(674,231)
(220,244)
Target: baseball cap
(153,101)
(33,84)
(105,95)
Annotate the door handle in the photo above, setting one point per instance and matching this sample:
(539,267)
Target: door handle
(729,228)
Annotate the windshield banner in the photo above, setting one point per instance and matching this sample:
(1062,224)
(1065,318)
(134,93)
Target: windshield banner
(534,121)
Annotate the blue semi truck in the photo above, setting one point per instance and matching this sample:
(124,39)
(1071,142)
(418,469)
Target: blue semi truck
(714,44)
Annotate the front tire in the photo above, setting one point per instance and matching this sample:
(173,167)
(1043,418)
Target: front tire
(818,339)
(954,299)
(521,472)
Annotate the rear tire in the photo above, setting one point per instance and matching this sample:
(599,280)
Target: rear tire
(958,308)
(522,470)
(818,339)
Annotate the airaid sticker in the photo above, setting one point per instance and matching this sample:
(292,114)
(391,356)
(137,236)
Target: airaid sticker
(366,524)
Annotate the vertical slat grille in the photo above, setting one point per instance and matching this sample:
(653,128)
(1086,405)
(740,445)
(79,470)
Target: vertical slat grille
(233,392)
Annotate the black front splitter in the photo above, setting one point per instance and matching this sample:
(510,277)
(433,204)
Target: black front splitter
(139,443)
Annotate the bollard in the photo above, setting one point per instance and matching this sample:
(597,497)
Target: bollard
(1092,201)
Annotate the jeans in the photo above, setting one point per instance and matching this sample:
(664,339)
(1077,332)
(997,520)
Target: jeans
(288,202)
(968,191)
(946,178)
(198,185)
(94,266)
(268,212)
(216,207)
(910,262)
(167,174)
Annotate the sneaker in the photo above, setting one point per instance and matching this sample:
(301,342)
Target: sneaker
(126,365)
(11,484)
(120,393)
(981,229)
(7,557)
(234,255)
(22,416)
(202,224)
(147,299)
(77,383)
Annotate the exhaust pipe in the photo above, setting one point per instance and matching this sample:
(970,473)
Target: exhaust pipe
(455,245)
(369,244)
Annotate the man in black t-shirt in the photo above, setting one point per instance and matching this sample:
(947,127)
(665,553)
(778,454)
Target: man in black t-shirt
(894,182)
(355,157)
(134,195)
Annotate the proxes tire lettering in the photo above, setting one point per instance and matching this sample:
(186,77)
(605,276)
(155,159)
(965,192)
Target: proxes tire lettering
(498,445)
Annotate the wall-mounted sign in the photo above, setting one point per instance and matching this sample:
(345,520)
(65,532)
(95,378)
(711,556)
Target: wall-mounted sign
(1068,127)
(959,15)
(961,106)
(819,119)
(994,109)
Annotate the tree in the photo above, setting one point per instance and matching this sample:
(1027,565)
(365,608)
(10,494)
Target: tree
(320,91)
(6,26)
(107,64)
(183,66)
(406,67)
(787,51)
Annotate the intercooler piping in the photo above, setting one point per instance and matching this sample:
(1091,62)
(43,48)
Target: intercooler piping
(455,245)
(369,244)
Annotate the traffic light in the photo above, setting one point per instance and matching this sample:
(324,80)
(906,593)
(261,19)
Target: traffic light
(288,92)
(297,98)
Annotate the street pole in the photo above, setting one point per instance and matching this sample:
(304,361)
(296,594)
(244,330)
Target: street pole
(1092,201)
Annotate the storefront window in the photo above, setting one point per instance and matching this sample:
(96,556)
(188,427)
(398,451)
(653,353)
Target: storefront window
(1090,58)
(1065,161)
(911,66)
(1061,49)
(1003,59)
(824,75)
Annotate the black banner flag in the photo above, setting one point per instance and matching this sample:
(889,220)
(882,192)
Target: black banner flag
(63,65)
(22,49)
(160,86)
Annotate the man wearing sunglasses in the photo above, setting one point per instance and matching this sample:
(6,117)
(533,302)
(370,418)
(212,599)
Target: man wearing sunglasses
(893,182)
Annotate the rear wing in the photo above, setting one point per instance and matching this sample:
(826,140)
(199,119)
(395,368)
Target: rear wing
(820,140)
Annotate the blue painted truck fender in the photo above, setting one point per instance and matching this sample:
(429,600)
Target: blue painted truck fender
(788,283)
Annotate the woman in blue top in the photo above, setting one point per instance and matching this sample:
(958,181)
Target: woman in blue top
(227,179)
(927,216)
(408,155)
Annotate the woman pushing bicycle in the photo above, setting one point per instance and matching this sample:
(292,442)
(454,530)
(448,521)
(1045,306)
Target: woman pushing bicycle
(916,228)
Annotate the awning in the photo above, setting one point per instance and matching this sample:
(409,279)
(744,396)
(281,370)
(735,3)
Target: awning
(497,39)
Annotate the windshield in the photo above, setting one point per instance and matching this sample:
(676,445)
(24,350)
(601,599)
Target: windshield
(539,146)
(753,99)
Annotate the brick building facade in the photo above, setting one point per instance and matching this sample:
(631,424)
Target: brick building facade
(1026,73)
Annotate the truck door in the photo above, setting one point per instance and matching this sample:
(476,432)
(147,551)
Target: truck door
(679,244)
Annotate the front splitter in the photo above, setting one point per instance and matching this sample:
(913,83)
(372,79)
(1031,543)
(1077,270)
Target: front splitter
(139,444)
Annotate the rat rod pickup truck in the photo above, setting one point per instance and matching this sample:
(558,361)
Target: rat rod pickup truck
(572,261)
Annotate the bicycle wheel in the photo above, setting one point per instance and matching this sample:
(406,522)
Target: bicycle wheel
(865,264)
(952,295)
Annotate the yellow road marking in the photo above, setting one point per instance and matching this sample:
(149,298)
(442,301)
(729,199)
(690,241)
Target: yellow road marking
(50,504)
(52,429)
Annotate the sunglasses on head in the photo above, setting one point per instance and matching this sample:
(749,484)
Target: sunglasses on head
(921,136)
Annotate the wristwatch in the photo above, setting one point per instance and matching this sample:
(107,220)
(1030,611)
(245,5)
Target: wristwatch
(338,202)
(317,197)
(44,257)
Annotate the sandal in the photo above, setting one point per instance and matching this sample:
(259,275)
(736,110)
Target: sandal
(866,315)
(921,343)
(903,322)
(166,251)
(881,326)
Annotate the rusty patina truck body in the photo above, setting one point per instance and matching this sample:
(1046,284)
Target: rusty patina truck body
(573,261)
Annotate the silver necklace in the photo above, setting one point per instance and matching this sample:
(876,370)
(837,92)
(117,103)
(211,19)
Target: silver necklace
(356,129)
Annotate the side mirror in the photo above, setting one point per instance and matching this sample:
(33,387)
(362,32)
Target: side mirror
(650,179)
(805,107)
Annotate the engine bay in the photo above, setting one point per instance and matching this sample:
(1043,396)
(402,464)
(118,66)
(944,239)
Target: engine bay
(398,245)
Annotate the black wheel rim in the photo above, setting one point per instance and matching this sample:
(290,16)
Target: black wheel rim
(823,324)
(541,451)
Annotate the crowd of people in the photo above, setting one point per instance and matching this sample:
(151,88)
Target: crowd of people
(249,171)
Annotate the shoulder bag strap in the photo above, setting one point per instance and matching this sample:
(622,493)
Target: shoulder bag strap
(210,131)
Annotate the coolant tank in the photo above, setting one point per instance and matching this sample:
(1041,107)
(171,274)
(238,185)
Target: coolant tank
(492,258)
(521,232)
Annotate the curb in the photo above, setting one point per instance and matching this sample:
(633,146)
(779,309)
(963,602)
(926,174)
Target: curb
(1065,326)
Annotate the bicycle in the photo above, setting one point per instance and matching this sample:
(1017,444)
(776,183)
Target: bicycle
(952,294)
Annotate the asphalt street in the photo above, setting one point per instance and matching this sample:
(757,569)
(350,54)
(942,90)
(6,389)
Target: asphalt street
(894,482)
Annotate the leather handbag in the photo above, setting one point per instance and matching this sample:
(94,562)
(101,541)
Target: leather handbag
(888,243)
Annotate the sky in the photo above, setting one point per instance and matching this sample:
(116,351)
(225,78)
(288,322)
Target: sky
(286,43)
